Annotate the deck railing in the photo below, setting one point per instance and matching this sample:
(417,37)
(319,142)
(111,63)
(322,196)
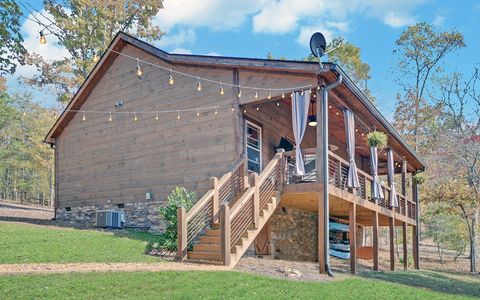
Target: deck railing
(338,170)
(193,223)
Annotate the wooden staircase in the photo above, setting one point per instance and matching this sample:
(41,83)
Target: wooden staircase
(218,231)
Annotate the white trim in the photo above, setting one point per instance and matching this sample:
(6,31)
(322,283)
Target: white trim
(253,125)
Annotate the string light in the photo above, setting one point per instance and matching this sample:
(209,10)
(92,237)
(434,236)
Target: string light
(239,93)
(330,107)
(216,111)
(110,117)
(256,94)
(269,95)
(283,94)
(222,92)
(170,78)
(302,93)
(135,116)
(233,108)
(43,39)
(83,117)
(244,111)
(139,70)
(95,58)
(198,113)
(258,108)
(199,84)
(278,103)
(178,115)
(156,116)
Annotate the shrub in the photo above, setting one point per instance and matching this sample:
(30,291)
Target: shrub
(377,139)
(179,197)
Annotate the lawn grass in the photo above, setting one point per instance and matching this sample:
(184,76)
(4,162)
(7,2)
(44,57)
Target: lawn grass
(27,243)
(207,285)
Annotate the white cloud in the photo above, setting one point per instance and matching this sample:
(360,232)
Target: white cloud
(182,37)
(396,20)
(213,53)
(439,20)
(307,31)
(181,51)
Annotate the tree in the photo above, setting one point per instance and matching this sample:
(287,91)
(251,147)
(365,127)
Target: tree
(12,51)
(420,51)
(457,155)
(85,28)
(348,57)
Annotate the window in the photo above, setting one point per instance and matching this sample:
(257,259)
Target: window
(253,139)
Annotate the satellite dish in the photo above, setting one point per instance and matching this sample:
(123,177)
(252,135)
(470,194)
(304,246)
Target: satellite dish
(318,44)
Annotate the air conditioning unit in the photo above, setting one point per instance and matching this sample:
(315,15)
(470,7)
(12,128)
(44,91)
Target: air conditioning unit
(110,219)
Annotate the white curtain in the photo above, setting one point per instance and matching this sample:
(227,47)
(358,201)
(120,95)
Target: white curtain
(391,179)
(352,178)
(300,105)
(377,192)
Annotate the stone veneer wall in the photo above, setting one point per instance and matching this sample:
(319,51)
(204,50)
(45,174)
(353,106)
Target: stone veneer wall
(293,235)
(142,215)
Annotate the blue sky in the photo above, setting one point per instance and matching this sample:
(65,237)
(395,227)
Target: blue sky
(252,28)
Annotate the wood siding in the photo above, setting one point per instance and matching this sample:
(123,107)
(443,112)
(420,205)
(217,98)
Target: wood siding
(121,160)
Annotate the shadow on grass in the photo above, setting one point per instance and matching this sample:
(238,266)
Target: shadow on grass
(449,283)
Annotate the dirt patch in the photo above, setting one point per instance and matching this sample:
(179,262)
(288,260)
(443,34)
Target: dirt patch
(23,269)
(10,211)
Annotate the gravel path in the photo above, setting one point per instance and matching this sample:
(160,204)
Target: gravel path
(27,213)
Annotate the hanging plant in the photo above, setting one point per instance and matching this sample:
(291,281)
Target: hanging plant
(418,178)
(377,139)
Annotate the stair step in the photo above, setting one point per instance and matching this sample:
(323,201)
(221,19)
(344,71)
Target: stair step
(209,240)
(213,232)
(204,255)
(215,226)
(207,248)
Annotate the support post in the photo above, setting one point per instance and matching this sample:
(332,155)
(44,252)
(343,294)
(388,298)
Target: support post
(416,229)
(225,233)
(405,249)
(215,199)
(391,225)
(182,233)
(256,201)
(415,247)
(404,187)
(353,238)
(375,240)
(339,174)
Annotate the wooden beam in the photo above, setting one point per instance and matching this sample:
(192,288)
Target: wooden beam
(375,239)
(415,248)
(182,233)
(391,225)
(353,238)
(225,233)
(405,249)
(216,200)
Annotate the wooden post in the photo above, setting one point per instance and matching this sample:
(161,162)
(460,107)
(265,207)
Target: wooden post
(404,187)
(375,240)
(256,201)
(225,233)
(215,199)
(182,233)
(353,238)
(321,235)
(391,225)
(415,247)
(405,250)
(339,174)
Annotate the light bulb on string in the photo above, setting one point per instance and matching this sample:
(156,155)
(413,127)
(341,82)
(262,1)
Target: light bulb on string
(170,78)
(222,91)
(244,111)
(95,58)
(84,117)
(256,94)
(283,94)
(178,115)
(216,111)
(199,84)
(110,117)
(135,116)
(198,113)
(278,103)
(43,39)
(258,108)
(269,95)
(233,108)
(156,116)
(239,93)
(139,70)
(302,93)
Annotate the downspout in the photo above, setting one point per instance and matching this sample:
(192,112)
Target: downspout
(325,176)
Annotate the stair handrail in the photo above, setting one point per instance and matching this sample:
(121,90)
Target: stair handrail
(205,210)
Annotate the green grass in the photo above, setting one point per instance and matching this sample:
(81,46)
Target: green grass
(26,243)
(202,285)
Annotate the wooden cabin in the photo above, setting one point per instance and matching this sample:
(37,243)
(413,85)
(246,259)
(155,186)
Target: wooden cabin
(146,121)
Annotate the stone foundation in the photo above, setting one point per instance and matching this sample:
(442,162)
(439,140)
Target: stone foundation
(141,215)
(293,235)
